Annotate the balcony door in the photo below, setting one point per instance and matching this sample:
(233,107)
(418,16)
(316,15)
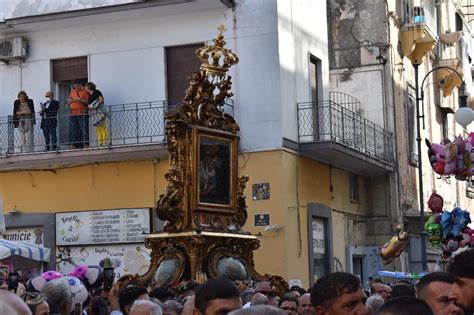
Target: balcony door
(318,113)
(65,72)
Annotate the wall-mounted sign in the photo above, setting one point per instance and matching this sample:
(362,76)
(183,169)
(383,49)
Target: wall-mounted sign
(261,191)
(319,242)
(126,258)
(262,219)
(295,283)
(30,235)
(102,227)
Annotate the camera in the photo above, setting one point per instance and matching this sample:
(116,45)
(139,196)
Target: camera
(13,278)
(108,277)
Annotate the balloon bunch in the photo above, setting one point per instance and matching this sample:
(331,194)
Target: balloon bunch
(448,228)
(81,279)
(453,157)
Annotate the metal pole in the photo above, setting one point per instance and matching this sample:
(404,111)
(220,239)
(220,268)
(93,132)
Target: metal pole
(420,175)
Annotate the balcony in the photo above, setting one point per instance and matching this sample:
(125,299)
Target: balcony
(135,131)
(447,80)
(334,134)
(418,29)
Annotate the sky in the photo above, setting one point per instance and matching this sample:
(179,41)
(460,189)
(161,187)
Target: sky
(18,8)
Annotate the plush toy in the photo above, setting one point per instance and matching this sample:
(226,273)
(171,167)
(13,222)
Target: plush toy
(395,246)
(36,284)
(91,276)
(79,293)
(435,203)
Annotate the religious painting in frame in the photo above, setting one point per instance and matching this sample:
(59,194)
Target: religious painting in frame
(215,171)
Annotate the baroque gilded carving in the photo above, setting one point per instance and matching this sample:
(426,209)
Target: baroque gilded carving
(203,253)
(204,206)
(202,107)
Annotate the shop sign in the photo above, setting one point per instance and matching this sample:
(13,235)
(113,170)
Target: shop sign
(126,258)
(102,227)
(319,242)
(30,235)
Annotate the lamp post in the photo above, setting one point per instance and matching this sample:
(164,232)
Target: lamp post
(462,116)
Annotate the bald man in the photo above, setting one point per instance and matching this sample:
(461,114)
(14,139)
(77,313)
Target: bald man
(381,289)
(304,305)
(14,302)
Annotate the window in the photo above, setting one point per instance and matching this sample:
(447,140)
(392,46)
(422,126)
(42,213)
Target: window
(181,62)
(358,267)
(459,22)
(412,125)
(444,123)
(354,188)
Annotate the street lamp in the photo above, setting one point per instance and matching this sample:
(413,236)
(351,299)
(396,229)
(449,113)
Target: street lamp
(463,116)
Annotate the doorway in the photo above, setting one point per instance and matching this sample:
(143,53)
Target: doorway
(65,73)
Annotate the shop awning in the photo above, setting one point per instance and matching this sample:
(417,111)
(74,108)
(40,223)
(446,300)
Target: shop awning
(9,248)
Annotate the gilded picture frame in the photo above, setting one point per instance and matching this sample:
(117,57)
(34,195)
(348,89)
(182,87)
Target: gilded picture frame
(214,160)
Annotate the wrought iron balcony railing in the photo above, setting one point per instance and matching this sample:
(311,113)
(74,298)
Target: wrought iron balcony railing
(125,125)
(419,12)
(328,121)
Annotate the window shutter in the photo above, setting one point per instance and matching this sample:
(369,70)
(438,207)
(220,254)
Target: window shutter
(70,69)
(181,62)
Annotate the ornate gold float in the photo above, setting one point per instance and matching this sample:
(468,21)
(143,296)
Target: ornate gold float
(204,206)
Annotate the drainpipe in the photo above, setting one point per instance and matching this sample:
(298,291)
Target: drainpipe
(438,30)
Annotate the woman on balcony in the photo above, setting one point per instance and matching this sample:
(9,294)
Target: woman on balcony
(24,119)
(98,114)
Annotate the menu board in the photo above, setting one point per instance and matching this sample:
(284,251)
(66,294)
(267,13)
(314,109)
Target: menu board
(102,227)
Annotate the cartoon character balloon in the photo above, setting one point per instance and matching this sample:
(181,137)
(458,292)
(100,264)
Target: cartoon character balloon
(433,230)
(79,293)
(448,229)
(453,157)
(91,276)
(395,246)
(436,203)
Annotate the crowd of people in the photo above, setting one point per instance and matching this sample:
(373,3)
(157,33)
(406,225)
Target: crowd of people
(339,293)
(85,105)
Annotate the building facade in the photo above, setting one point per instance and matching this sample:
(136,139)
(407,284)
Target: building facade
(378,42)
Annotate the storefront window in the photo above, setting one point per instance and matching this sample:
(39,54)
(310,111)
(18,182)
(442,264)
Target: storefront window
(320,253)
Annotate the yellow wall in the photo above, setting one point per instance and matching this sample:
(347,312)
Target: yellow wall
(91,187)
(287,173)
(139,184)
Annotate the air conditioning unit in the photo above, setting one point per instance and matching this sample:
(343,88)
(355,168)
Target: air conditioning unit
(13,49)
(19,48)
